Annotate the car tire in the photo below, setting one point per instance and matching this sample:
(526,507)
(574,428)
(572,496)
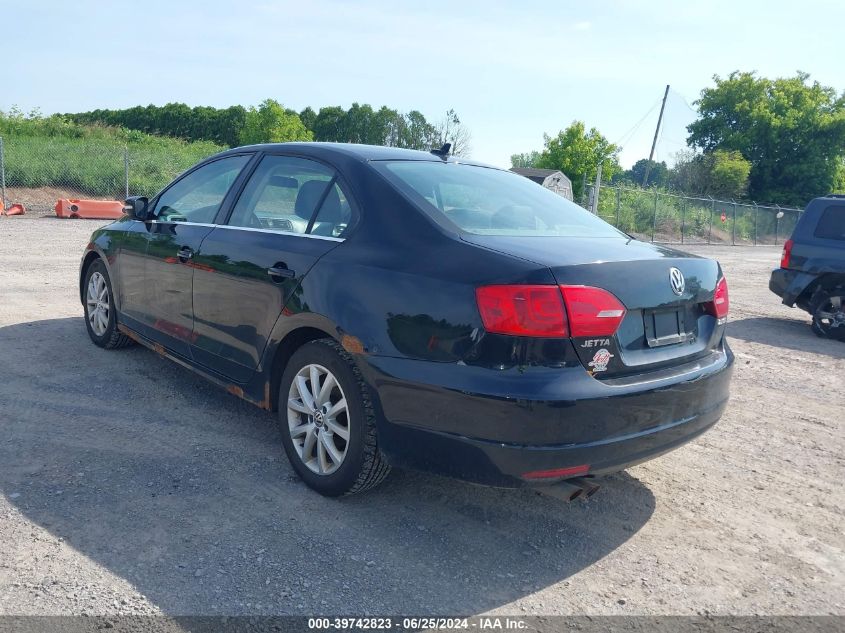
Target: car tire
(98,305)
(328,428)
(828,310)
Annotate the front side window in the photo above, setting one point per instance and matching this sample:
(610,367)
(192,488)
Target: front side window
(831,224)
(286,193)
(488,201)
(197,197)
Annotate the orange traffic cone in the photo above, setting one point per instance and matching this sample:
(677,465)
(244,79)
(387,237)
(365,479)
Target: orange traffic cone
(15,209)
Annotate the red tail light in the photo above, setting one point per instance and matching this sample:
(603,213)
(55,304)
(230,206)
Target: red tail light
(787,253)
(539,310)
(720,305)
(592,311)
(522,310)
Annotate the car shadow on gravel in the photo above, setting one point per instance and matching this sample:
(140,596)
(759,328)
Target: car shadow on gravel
(788,333)
(184,491)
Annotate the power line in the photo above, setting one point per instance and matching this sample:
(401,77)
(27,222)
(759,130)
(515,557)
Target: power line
(625,138)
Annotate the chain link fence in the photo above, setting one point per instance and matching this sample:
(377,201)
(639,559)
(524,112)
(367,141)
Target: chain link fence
(656,216)
(37,171)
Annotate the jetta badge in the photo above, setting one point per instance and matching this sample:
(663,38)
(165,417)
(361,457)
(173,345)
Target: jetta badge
(676,280)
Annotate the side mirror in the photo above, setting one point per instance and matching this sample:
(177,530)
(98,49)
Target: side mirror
(137,207)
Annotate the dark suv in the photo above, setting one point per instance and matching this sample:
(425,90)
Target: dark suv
(812,268)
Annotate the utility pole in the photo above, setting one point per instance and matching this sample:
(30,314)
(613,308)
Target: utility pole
(656,132)
(596,190)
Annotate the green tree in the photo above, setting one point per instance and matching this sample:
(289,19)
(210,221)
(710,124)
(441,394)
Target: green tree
(308,117)
(329,124)
(230,122)
(361,123)
(791,130)
(527,159)
(577,153)
(270,122)
(839,183)
(720,174)
(729,173)
(690,174)
(173,119)
(658,173)
(415,132)
(357,124)
(388,122)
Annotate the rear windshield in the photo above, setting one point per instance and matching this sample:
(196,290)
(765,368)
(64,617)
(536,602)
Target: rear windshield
(489,201)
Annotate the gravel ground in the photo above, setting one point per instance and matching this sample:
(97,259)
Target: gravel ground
(129,485)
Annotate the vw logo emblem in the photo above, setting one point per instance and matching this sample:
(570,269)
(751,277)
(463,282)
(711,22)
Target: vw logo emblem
(676,280)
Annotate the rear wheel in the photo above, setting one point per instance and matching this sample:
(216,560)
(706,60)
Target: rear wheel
(100,314)
(327,421)
(828,312)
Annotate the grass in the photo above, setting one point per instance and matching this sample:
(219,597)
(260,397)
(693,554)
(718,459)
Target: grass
(42,152)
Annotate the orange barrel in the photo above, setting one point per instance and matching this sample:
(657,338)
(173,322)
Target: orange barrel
(89,209)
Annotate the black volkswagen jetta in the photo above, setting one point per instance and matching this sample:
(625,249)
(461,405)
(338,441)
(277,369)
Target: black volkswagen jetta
(406,308)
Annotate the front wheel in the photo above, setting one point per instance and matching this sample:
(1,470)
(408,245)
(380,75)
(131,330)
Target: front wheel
(828,311)
(327,421)
(100,314)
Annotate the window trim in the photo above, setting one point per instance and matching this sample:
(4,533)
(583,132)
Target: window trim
(254,230)
(278,232)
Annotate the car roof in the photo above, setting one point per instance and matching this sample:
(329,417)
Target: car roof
(358,151)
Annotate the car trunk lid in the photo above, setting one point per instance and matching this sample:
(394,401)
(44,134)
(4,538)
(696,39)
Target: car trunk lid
(666,294)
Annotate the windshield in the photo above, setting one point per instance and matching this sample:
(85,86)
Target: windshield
(489,201)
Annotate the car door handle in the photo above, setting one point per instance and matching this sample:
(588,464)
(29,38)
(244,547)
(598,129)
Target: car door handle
(280,270)
(185,253)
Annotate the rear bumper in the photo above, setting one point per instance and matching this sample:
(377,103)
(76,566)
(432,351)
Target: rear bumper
(496,439)
(789,284)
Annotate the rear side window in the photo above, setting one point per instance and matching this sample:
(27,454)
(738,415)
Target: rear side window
(284,194)
(831,224)
(488,201)
(334,215)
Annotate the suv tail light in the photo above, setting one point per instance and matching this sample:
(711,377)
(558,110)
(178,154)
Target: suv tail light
(787,253)
(592,311)
(525,310)
(720,304)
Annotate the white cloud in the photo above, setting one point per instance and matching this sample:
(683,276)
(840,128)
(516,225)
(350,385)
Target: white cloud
(582,26)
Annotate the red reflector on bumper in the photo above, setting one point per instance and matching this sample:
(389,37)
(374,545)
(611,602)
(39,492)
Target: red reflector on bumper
(556,473)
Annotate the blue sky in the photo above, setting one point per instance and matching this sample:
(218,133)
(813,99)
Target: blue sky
(512,71)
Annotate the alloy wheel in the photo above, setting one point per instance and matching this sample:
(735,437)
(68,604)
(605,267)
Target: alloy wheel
(318,419)
(97,303)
